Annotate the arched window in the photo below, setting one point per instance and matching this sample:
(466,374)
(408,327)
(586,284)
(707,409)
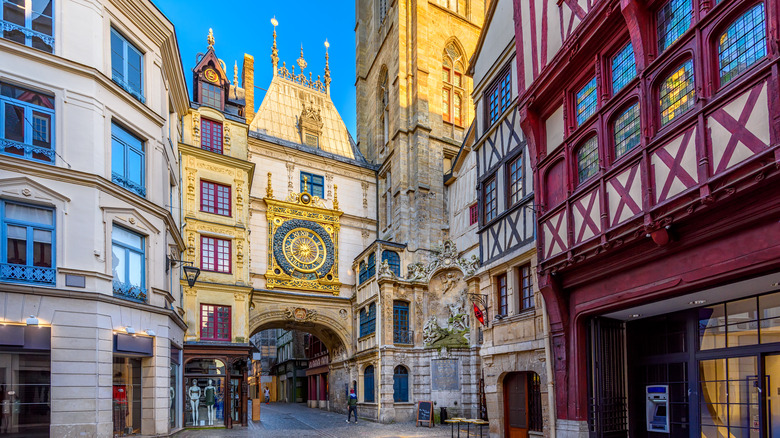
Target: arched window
(384,107)
(368,320)
(400,384)
(673,19)
(677,93)
(393,260)
(363,276)
(742,44)
(368,384)
(401,332)
(588,159)
(452,85)
(626,128)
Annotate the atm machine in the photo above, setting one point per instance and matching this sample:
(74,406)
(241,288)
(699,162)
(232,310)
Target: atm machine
(657,406)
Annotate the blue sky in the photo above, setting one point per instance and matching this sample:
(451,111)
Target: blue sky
(245,27)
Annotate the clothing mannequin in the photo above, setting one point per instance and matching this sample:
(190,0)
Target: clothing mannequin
(194,394)
(211,396)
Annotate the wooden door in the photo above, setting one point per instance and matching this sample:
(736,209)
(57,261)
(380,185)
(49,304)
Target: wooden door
(516,405)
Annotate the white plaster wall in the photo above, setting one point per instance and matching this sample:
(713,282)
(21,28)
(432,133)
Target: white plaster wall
(500,33)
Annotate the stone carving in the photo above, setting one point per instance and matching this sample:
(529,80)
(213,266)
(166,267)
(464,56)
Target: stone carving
(448,280)
(454,335)
(300,314)
(290,168)
(385,271)
(365,194)
(445,256)
(343,314)
(432,332)
(269,190)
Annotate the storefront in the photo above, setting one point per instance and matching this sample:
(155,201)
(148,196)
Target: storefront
(215,387)
(711,370)
(25,381)
(127,385)
(174,390)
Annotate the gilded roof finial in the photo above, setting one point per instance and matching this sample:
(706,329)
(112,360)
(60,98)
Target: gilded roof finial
(274,51)
(305,184)
(210,38)
(269,191)
(335,196)
(301,61)
(235,73)
(327,66)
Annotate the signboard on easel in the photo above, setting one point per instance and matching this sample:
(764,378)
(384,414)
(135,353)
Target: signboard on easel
(424,413)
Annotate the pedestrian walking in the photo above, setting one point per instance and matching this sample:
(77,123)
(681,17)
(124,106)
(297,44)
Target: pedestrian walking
(267,395)
(352,405)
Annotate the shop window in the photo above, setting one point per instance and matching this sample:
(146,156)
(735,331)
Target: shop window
(400,384)
(174,388)
(26,123)
(401,332)
(623,68)
(368,320)
(586,101)
(211,136)
(677,93)
(743,43)
(315,184)
(368,384)
(730,397)
(501,292)
(129,264)
(128,161)
(215,255)
(739,323)
(515,183)
(627,130)
(526,287)
(204,393)
(127,65)
(211,95)
(673,19)
(127,396)
(393,261)
(214,198)
(25,394)
(27,251)
(588,159)
(215,323)
(29,23)
(473,214)
(490,200)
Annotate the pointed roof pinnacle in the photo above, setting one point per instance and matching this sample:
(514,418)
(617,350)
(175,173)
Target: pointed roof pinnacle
(302,62)
(235,73)
(274,50)
(210,38)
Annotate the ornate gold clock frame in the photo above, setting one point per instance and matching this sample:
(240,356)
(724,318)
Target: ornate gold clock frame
(303,236)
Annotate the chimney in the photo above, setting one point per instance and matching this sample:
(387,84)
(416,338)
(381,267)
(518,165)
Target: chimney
(248,82)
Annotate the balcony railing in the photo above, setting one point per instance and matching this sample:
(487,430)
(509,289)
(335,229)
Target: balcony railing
(126,183)
(7,26)
(133,92)
(26,273)
(37,153)
(403,336)
(129,292)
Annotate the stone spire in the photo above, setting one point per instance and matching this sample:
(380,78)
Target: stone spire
(210,38)
(302,62)
(235,73)
(327,67)
(274,50)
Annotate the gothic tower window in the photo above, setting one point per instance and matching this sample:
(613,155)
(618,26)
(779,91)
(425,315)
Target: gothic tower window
(384,105)
(452,85)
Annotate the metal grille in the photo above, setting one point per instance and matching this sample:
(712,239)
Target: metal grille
(588,159)
(674,18)
(627,128)
(623,68)
(743,43)
(608,409)
(535,418)
(587,101)
(678,93)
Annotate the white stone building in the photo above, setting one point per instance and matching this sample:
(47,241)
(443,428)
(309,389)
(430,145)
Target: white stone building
(89,211)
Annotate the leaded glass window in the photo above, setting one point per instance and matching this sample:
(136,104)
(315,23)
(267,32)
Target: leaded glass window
(743,43)
(627,130)
(588,159)
(393,261)
(623,68)
(515,170)
(587,101)
(673,19)
(490,200)
(678,93)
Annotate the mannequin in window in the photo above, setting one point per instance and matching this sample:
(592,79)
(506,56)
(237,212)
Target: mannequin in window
(194,394)
(211,396)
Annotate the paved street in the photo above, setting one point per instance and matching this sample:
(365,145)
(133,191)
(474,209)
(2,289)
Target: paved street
(297,420)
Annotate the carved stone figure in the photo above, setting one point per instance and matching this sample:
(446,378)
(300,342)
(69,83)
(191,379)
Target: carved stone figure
(432,332)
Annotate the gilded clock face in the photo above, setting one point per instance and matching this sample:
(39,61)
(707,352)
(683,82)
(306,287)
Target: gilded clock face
(303,249)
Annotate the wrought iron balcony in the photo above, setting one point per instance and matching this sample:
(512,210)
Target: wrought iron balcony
(36,153)
(129,292)
(403,336)
(28,274)
(133,92)
(129,185)
(7,26)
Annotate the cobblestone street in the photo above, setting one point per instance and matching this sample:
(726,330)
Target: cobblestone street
(296,420)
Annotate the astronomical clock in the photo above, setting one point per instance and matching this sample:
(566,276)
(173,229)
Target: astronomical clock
(303,239)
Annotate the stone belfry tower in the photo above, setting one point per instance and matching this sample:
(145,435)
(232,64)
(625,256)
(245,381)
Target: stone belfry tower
(414,106)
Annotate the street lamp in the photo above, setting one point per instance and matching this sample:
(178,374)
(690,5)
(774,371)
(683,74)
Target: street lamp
(191,273)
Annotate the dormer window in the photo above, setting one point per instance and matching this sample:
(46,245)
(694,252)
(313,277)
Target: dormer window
(210,95)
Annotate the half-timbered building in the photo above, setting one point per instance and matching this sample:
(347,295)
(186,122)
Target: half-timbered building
(513,350)
(653,136)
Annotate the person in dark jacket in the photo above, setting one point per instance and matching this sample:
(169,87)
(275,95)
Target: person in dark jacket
(352,405)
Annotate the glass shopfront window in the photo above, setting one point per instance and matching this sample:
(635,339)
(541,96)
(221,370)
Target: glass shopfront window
(127,396)
(25,385)
(204,393)
(235,391)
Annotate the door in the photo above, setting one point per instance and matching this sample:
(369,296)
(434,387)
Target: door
(772,376)
(516,405)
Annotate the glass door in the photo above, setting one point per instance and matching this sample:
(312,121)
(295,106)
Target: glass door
(772,376)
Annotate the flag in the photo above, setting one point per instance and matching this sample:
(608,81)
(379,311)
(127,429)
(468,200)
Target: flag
(478,313)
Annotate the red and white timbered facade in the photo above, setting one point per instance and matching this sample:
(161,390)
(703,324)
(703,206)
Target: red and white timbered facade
(653,132)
